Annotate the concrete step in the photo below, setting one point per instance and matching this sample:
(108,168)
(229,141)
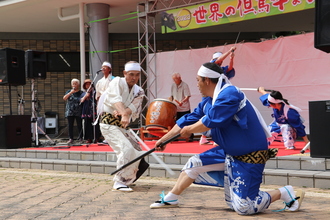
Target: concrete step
(300,171)
(178,159)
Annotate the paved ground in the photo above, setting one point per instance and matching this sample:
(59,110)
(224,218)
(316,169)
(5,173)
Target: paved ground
(50,195)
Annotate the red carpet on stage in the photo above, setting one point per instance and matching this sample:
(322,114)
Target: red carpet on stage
(180,147)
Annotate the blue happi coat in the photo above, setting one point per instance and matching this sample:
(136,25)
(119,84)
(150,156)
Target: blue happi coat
(234,127)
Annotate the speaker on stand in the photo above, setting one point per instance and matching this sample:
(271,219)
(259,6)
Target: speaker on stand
(12,69)
(322,25)
(36,64)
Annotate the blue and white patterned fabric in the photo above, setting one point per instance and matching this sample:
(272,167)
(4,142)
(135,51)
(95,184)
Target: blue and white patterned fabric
(236,128)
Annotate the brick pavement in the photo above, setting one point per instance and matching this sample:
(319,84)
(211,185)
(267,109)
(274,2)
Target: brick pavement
(53,195)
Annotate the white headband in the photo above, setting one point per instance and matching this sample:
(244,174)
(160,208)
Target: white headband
(132,66)
(106,64)
(272,100)
(206,72)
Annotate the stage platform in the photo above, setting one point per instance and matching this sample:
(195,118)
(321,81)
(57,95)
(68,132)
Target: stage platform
(289,167)
(177,147)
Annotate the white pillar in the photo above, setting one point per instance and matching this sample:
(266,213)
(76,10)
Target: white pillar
(98,37)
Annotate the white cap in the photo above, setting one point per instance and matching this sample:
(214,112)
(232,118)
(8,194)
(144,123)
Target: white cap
(105,63)
(216,55)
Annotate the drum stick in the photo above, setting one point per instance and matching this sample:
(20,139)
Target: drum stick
(255,89)
(145,154)
(305,148)
(236,39)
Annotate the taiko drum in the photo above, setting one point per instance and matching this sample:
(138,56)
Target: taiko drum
(161,115)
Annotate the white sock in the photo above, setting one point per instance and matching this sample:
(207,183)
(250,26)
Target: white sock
(170,196)
(116,185)
(285,196)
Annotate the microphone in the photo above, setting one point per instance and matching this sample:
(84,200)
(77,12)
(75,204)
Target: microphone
(99,71)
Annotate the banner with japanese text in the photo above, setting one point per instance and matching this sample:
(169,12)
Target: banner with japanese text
(227,11)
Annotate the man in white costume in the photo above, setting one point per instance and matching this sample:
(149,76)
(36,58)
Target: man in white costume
(103,83)
(122,104)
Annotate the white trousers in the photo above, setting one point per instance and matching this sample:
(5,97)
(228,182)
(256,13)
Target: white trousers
(118,140)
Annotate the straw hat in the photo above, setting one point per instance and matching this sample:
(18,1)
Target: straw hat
(85,82)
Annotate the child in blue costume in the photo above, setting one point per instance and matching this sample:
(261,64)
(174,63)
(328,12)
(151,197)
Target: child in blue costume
(240,132)
(287,120)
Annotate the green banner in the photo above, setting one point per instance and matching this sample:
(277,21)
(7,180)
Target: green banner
(227,11)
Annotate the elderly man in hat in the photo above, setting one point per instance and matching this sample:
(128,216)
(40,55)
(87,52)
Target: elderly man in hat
(238,162)
(123,104)
(103,83)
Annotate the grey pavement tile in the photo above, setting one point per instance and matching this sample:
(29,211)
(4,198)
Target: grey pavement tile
(45,194)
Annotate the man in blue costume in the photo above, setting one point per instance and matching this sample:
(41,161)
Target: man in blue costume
(229,72)
(239,160)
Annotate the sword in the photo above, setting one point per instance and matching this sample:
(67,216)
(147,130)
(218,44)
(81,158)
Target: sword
(147,153)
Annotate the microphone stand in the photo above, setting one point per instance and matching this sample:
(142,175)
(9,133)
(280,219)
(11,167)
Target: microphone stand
(94,108)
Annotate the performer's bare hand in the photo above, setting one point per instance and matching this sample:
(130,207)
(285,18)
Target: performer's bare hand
(124,120)
(185,132)
(261,89)
(116,113)
(158,148)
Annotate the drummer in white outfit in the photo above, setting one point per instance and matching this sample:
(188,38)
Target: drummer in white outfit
(180,94)
(122,104)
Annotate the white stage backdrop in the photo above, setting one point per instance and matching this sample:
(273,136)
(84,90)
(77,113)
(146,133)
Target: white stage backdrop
(290,65)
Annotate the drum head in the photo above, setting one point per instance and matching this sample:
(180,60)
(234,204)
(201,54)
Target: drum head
(163,100)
